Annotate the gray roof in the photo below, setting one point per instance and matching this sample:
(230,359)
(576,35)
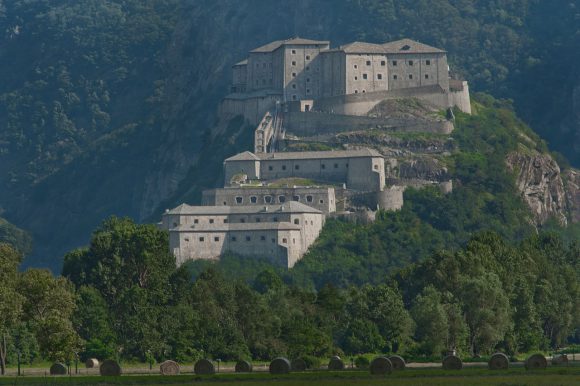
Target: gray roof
(273,46)
(362,48)
(245,156)
(408,46)
(288,207)
(320,154)
(258,226)
(242,63)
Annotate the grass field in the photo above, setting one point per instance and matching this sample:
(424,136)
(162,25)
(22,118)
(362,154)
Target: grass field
(552,376)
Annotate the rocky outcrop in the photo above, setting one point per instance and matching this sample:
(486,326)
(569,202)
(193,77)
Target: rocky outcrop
(571,179)
(540,183)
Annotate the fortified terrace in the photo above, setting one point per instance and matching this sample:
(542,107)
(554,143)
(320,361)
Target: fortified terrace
(300,93)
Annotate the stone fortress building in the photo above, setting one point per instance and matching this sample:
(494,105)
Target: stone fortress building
(274,204)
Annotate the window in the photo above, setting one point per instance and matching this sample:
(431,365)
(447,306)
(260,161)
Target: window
(275,219)
(196,221)
(283,167)
(368,62)
(293,62)
(293,52)
(365,76)
(410,76)
(296,221)
(211,220)
(296,167)
(216,239)
(406,47)
(307,57)
(410,62)
(225,221)
(239,199)
(270,168)
(284,241)
(307,68)
(323,166)
(293,241)
(296,198)
(294,98)
(248,238)
(268,199)
(307,80)
(293,75)
(242,220)
(225,203)
(364,91)
(336,166)
(258,219)
(294,86)
(426,76)
(428,62)
(356,91)
(355,66)
(201,239)
(379,76)
(281,199)
(234,238)
(376,167)
(263,238)
(307,91)
(274,241)
(383,63)
(174,224)
(356,78)
(395,77)
(253,199)
(186,239)
(394,62)
(322,201)
(309,198)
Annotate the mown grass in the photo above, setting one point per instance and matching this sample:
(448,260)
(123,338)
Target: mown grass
(567,376)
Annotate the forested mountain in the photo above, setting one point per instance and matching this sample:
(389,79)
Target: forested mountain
(107,106)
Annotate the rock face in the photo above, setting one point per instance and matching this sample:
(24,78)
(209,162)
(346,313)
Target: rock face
(572,186)
(540,183)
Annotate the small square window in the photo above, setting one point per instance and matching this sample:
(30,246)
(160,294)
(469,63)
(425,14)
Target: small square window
(410,76)
(307,91)
(294,86)
(216,239)
(383,63)
(253,199)
(394,62)
(323,166)
(355,66)
(270,168)
(376,167)
(274,241)
(356,91)
(293,52)
(294,98)
(307,68)
(211,220)
(365,76)
(309,198)
(296,167)
(410,62)
(426,76)
(225,221)
(293,75)
(284,241)
(196,221)
(293,62)
(296,221)
(322,201)
(234,238)
(395,77)
(379,76)
(336,166)
(307,57)
(296,198)
(258,219)
(268,199)
(275,219)
(283,167)
(356,78)
(263,238)
(281,199)
(242,220)
(248,238)
(368,62)
(239,200)
(307,80)
(428,62)
(202,239)
(364,91)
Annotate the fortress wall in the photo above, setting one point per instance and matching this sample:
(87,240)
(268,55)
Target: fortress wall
(366,174)
(312,124)
(461,99)
(391,198)
(318,169)
(249,168)
(251,108)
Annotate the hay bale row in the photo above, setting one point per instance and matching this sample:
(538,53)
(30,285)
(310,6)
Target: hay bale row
(452,362)
(92,363)
(536,362)
(204,367)
(110,368)
(381,366)
(299,365)
(280,366)
(169,368)
(58,369)
(498,361)
(397,362)
(243,367)
(335,364)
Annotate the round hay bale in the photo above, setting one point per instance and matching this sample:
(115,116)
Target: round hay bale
(558,360)
(398,362)
(299,364)
(280,366)
(91,363)
(110,368)
(58,369)
(335,364)
(243,367)
(499,361)
(536,362)
(381,366)
(204,367)
(169,368)
(452,362)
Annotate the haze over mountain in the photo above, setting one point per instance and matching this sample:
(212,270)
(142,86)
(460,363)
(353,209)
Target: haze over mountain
(106,107)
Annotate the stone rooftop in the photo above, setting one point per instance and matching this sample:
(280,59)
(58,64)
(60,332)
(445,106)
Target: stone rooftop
(288,207)
(273,46)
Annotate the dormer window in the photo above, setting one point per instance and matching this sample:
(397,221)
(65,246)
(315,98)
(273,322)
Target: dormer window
(406,47)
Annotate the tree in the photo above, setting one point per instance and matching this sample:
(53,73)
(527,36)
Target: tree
(10,298)
(430,317)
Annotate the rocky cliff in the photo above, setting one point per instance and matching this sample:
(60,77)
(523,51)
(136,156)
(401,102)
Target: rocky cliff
(540,183)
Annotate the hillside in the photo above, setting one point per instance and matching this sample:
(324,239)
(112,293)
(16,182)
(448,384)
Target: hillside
(109,107)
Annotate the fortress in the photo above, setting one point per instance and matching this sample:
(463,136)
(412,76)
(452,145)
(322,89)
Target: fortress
(274,203)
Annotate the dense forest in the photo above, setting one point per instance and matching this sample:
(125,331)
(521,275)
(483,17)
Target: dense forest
(107,106)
